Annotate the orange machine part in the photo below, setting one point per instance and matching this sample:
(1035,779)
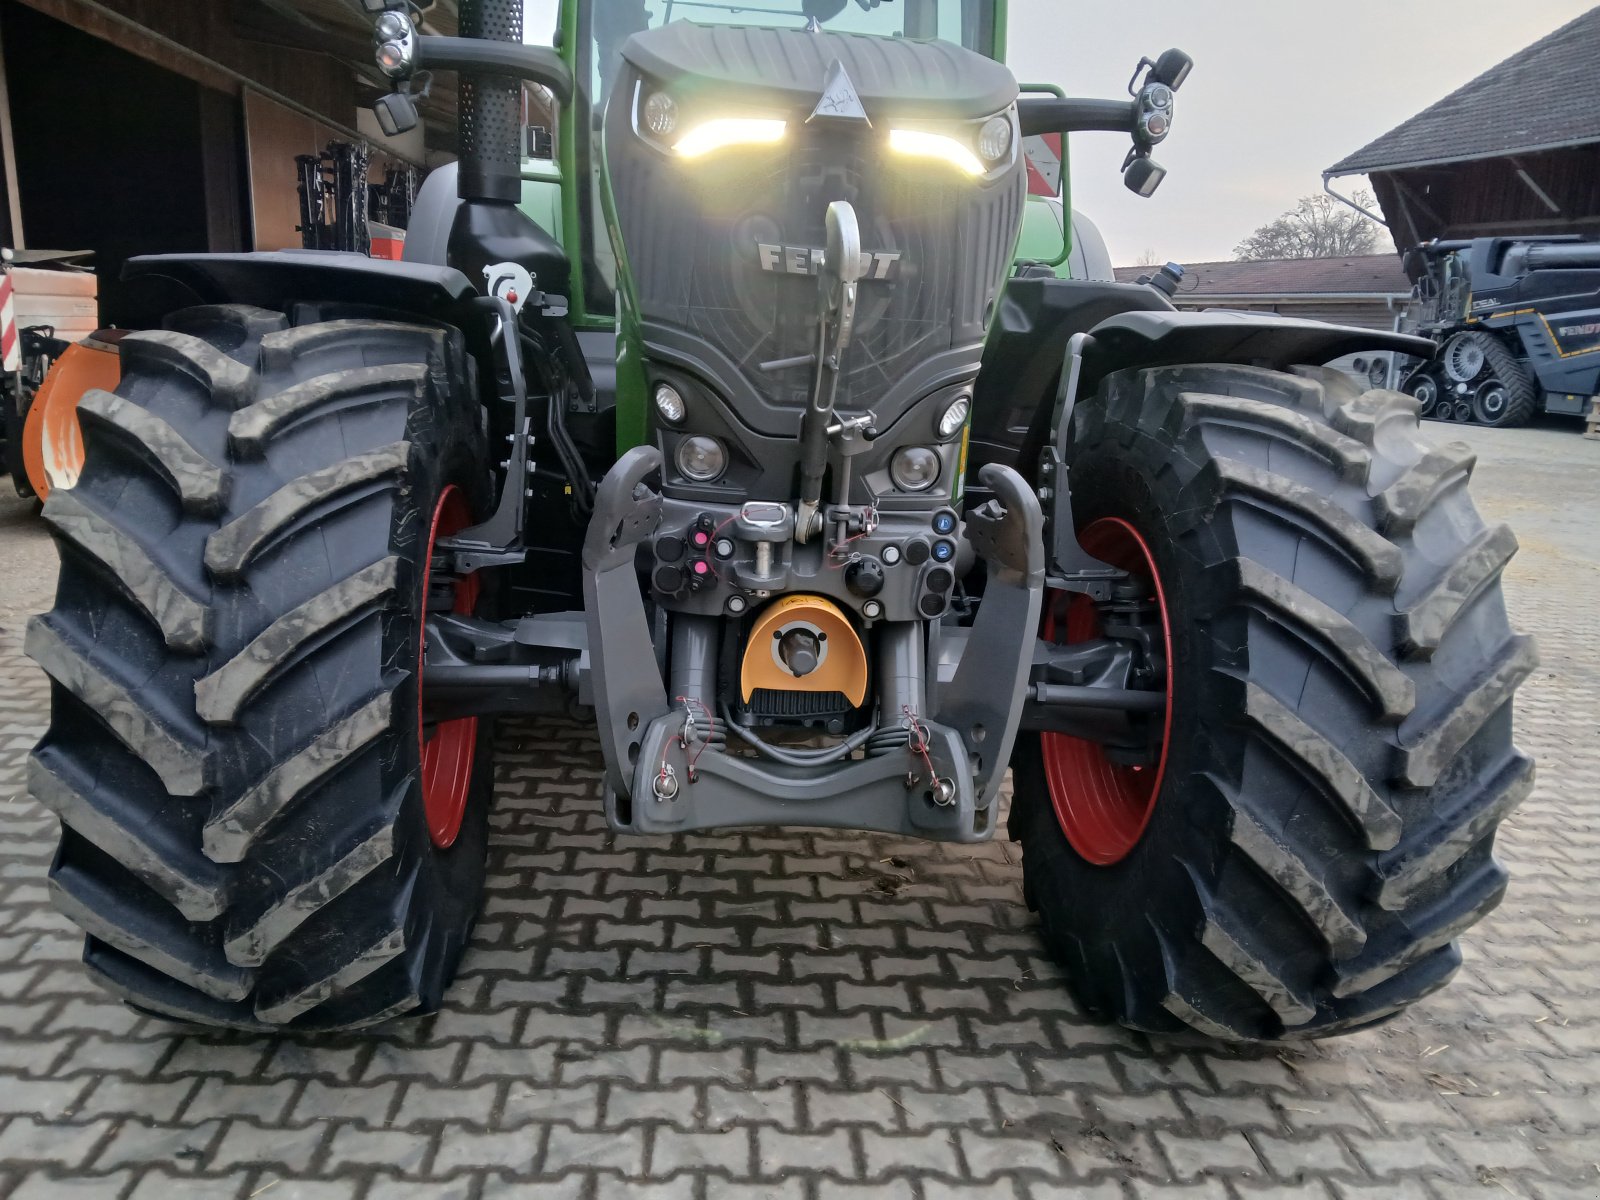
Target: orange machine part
(52,444)
(842,669)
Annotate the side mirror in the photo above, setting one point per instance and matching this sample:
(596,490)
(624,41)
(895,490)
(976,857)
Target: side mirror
(396,113)
(1172,68)
(1143,175)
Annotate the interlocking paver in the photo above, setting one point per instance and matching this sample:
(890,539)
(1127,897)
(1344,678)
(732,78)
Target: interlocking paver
(749,1015)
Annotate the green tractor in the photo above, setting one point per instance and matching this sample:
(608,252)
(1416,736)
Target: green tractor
(763,451)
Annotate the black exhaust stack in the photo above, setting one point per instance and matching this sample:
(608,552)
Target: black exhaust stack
(490,133)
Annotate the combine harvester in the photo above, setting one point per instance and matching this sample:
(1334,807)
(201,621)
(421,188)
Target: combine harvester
(1517,322)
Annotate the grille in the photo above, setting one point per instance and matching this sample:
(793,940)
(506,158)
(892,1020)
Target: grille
(760,316)
(693,232)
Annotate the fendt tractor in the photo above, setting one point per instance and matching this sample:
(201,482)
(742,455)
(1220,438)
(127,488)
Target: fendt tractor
(1517,322)
(764,452)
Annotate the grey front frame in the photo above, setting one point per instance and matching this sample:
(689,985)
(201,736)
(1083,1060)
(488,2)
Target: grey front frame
(970,722)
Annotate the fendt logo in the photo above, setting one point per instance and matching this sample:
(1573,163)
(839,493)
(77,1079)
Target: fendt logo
(807,260)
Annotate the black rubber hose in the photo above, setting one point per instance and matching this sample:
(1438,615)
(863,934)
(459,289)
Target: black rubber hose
(800,758)
(572,464)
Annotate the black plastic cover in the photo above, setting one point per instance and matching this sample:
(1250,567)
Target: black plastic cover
(275,279)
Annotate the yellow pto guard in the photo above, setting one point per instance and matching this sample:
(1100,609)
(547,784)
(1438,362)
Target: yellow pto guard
(805,644)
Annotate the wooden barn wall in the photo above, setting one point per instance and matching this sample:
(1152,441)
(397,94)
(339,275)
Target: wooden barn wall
(206,27)
(276,136)
(1488,197)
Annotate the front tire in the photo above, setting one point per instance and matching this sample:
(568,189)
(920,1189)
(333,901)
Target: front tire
(1342,671)
(234,746)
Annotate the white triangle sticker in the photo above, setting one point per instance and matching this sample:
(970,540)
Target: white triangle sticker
(839,99)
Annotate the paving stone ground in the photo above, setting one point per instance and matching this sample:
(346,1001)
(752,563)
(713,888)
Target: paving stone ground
(816,1016)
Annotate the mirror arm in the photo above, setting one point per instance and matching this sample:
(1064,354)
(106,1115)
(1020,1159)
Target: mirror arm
(1046,114)
(532,64)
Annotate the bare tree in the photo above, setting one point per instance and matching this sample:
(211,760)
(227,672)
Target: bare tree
(1150,258)
(1318,227)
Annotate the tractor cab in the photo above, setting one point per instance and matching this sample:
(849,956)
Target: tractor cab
(596,34)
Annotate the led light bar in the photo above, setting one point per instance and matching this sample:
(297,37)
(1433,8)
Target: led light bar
(722,132)
(919,143)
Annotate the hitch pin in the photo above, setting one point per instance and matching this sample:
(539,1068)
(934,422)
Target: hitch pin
(665,784)
(785,364)
(852,425)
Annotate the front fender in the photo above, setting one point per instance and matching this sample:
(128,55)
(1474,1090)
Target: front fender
(277,279)
(1166,339)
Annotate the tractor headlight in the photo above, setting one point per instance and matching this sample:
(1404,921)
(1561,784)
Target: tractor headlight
(660,114)
(391,27)
(669,403)
(701,459)
(1155,113)
(920,143)
(394,59)
(994,139)
(723,132)
(397,44)
(914,468)
(954,418)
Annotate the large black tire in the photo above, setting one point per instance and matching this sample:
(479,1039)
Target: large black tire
(233,743)
(1343,674)
(1507,394)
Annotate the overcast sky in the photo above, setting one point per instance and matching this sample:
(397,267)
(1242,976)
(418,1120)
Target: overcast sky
(1281,89)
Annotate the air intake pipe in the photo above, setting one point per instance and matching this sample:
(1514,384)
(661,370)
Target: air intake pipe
(1584,256)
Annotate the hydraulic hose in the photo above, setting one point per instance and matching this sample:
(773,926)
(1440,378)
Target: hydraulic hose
(572,464)
(800,758)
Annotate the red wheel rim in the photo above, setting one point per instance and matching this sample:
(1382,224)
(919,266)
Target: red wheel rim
(447,756)
(1103,806)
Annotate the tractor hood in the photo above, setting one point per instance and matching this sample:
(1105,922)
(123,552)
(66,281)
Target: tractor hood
(892,77)
(724,149)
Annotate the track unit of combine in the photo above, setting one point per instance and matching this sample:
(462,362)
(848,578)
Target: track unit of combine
(1517,322)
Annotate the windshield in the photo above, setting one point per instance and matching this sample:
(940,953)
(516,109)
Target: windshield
(885,18)
(604,25)
(969,23)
